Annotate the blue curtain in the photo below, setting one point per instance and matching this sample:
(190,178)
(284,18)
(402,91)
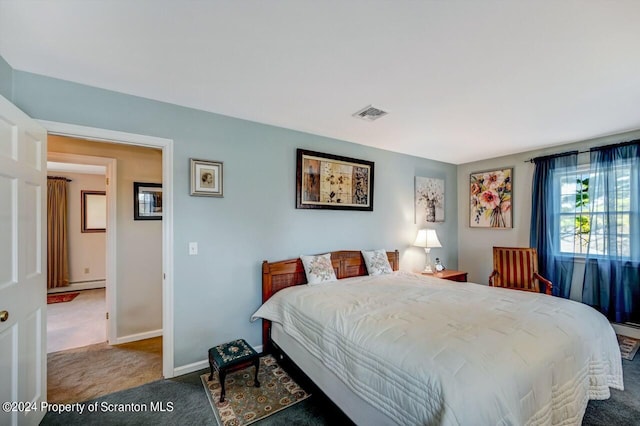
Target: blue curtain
(545,221)
(612,270)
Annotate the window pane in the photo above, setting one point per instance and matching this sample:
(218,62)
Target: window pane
(568,203)
(567,224)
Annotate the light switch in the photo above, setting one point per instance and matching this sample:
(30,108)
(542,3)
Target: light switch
(193,249)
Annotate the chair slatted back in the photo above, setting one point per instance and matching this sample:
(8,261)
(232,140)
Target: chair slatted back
(515,268)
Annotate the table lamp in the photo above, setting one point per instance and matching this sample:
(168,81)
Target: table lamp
(427,238)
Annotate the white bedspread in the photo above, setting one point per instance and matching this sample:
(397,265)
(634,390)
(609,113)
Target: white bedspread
(428,351)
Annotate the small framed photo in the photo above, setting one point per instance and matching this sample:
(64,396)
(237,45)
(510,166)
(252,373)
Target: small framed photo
(147,201)
(206,178)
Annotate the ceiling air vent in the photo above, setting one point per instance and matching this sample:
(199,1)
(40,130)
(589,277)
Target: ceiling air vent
(370,113)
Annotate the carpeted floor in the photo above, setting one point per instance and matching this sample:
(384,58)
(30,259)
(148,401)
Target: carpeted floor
(623,408)
(191,406)
(77,323)
(84,373)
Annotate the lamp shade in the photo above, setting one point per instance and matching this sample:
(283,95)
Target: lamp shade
(427,238)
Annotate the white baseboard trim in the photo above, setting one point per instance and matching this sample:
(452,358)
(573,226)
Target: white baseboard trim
(625,330)
(199,365)
(138,336)
(190,368)
(89,285)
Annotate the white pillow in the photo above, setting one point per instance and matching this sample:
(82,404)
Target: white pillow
(377,262)
(318,269)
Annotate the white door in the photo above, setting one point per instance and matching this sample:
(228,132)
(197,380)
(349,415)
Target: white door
(23,239)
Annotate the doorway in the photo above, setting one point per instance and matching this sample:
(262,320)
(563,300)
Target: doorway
(134,274)
(166,146)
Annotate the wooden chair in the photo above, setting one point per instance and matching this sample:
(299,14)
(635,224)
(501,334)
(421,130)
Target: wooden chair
(517,268)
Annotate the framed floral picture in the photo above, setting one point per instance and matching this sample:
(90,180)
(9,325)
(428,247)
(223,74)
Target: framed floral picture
(491,195)
(429,200)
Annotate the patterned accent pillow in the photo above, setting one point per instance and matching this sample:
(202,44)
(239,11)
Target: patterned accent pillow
(319,269)
(377,262)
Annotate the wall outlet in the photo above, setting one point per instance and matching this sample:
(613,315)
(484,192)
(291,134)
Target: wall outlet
(86,270)
(193,249)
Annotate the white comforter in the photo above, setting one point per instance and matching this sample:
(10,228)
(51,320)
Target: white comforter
(428,351)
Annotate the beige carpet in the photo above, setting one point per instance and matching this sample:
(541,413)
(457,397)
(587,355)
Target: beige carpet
(80,374)
(77,323)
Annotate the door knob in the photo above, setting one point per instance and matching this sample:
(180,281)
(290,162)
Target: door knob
(4,315)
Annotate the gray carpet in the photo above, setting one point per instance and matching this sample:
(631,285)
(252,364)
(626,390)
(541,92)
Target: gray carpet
(191,407)
(623,408)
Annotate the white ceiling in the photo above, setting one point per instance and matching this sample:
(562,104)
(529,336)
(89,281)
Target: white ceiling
(463,80)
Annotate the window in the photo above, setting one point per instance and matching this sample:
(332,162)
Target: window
(587,214)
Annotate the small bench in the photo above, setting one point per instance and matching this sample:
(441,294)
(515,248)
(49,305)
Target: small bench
(232,356)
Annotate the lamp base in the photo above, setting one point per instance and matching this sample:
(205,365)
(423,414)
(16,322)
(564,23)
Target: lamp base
(427,266)
(427,270)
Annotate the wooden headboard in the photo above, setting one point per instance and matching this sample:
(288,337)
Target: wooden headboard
(287,273)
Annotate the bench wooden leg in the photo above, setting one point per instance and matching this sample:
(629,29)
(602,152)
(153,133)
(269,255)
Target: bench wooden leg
(222,374)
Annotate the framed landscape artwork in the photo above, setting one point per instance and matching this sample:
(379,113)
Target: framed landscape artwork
(491,195)
(325,181)
(429,200)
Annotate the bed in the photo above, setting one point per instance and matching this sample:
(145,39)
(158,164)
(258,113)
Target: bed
(404,348)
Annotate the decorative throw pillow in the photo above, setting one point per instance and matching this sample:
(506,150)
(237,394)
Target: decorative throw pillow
(377,262)
(319,269)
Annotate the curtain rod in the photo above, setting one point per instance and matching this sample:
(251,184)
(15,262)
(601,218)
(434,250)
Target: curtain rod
(595,148)
(59,177)
(560,154)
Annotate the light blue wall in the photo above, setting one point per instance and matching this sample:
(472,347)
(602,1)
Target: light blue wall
(6,79)
(217,291)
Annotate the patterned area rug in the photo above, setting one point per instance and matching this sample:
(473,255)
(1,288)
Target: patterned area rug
(244,403)
(628,346)
(61,297)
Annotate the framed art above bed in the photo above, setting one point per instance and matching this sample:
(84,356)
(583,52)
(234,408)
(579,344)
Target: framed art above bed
(325,181)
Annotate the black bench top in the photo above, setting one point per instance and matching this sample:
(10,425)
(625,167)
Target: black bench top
(231,353)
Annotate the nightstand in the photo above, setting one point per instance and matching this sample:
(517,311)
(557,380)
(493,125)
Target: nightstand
(451,275)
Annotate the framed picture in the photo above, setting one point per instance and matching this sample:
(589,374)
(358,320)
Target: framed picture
(325,181)
(429,200)
(206,178)
(491,194)
(147,201)
(93,205)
